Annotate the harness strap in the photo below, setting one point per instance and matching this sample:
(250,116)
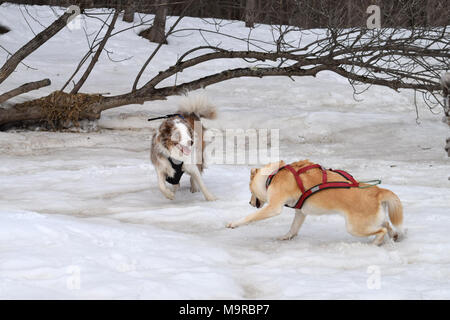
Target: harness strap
(178,167)
(297,177)
(347,176)
(319,187)
(167,116)
(297,174)
(324,175)
(270,177)
(324,185)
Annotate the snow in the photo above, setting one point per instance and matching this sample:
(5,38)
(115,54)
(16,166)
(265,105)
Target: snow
(81,216)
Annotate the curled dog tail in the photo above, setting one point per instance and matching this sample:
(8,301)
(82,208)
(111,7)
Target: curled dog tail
(394,206)
(198,105)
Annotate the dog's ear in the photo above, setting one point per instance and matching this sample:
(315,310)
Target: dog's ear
(253,172)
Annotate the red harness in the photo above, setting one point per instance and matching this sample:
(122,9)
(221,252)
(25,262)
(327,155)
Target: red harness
(321,186)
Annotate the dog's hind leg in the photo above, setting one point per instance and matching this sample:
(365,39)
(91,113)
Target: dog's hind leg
(295,227)
(197,178)
(379,236)
(391,232)
(162,185)
(369,221)
(175,187)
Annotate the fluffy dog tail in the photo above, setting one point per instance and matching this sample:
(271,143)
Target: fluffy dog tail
(395,208)
(198,105)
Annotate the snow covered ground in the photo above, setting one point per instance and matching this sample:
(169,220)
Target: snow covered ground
(81,215)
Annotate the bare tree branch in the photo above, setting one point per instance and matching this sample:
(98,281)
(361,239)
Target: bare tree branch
(24,88)
(172,28)
(11,64)
(94,60)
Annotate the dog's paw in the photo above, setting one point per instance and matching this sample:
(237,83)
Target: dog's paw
(169,194)
(232,225)
(194,188)
(287,236)
(210,197)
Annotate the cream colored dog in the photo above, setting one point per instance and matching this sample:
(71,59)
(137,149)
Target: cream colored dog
(361,207)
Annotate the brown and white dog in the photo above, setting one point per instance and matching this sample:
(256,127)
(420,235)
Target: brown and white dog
(362,208)
(175,147)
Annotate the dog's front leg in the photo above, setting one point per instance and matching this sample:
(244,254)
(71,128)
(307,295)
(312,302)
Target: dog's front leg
(162,186)
(295,227)
(194,187)
(175,187)
(271,210)
(197,178)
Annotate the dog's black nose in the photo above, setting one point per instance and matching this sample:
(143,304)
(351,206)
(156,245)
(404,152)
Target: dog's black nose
(191,142)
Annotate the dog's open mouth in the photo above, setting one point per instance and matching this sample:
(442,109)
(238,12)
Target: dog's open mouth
(184,150)
(258,203)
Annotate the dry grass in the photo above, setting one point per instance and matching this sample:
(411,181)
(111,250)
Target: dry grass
(62,110)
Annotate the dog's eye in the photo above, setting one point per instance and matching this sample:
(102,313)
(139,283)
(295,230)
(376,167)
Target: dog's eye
(191,142)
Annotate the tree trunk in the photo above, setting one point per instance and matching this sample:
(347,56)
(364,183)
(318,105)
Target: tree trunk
(157,32)
(128,15)
(429,13)
(350,13)
(448,147)
(445,83)
(250,13)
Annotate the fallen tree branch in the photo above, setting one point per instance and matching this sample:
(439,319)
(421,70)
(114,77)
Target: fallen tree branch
(149,94)
(55,111)
(394,58)
(24,88)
